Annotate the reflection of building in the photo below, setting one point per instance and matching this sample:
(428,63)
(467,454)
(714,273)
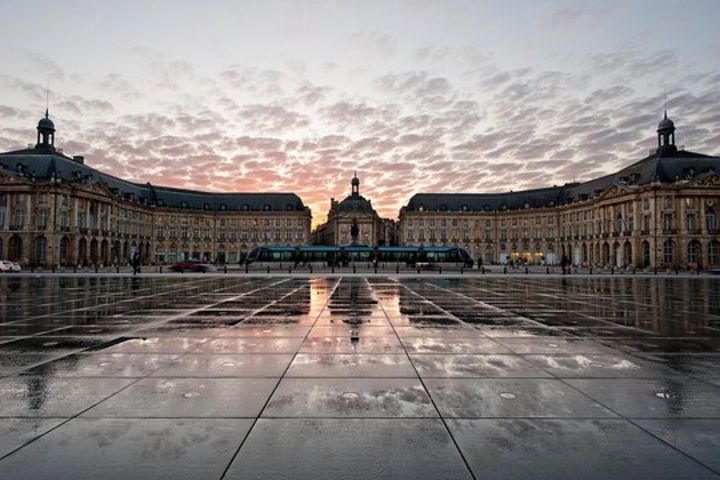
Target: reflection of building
(353,222)
(54,209)
(661,211)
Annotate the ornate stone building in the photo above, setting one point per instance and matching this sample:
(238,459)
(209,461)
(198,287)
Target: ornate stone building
(54,209)
(353,221)
(660,212)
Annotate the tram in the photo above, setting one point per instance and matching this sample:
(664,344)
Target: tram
(332,255)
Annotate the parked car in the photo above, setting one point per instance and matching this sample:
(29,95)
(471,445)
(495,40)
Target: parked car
(192,266)
(8,266)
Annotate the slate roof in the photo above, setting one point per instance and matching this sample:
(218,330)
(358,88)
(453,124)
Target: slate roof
(353,203)
(665,167)
(45,163)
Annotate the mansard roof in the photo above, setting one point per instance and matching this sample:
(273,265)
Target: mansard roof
(44,164)
(664,167)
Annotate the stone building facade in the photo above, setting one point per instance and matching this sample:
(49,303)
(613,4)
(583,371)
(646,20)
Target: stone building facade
(55,210)
(660,212)
(354,221)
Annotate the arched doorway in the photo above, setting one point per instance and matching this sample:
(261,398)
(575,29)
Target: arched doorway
(94,251)
(104,252)
(646,253)
(15,248)
(82,251)
(627,254)
(585,254)
(616,259)
(606,253)
(64,247)
(40,250)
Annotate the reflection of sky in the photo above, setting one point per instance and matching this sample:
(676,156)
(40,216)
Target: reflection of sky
(415,95)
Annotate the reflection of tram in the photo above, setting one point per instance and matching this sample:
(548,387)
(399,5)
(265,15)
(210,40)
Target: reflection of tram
(358,253)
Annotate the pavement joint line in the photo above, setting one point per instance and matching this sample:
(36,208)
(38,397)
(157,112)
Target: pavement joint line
(427,391)
(91,351)
(136,380)
(131,299)
(280,379)
(563,380)
(616,350)
(628,419)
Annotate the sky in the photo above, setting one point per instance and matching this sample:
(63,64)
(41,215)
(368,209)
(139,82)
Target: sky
(416,96)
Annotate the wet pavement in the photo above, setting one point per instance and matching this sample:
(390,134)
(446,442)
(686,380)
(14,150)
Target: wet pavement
(359,377)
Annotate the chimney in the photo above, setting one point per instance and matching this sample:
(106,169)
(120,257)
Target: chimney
(79,159)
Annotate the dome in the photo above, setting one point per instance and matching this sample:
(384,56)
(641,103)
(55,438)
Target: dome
(355,181)
(46,124)
(666,123)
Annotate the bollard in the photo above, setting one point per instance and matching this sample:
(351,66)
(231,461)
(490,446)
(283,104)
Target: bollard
(482,270)
(375,268)
(527,270)
(547,270)
(612,270)
(633,270)
(440,269)
(310,268)
(53,268)
(418,270)
(268,269)
(289,269)
(462,270)
(504,270)
(246,268)
(655,271)
(117,268)
(160,268)
(333,269)
(74,268)
(354,270)
(590,270)
(676,271)
(225,269)
(397,268)
(96,268)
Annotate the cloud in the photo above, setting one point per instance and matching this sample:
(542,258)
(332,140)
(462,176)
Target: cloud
(481,127)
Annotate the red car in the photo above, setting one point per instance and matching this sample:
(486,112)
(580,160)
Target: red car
(192,266)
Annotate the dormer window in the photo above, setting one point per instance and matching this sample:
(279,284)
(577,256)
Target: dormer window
(464,208)
(267,207)
(183,204)
(245,207)
(223,207)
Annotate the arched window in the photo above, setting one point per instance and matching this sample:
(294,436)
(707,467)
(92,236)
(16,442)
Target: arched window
(712,252)
(40,249)
(693,252)
(710,220)
(668,251)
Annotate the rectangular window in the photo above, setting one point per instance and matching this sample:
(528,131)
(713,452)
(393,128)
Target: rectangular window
(690,222)
(667,222)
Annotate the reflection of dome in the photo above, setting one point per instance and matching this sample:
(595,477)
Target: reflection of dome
(666,123)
